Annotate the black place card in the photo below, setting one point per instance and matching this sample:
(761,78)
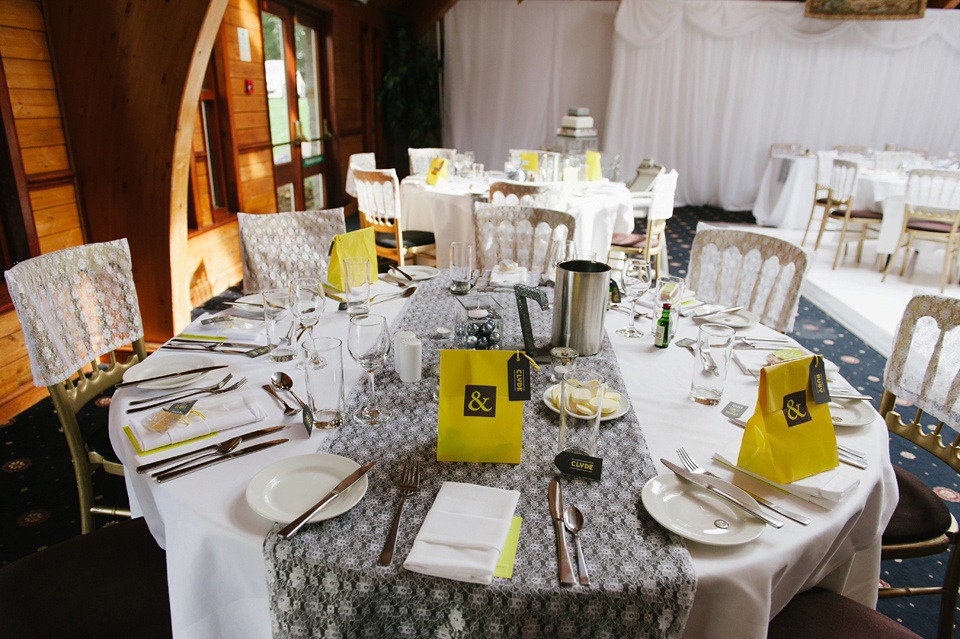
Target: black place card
(518,378)
(686,342)
(733,410)
(307,417)
(579,465)
(218,319)
(181,408)
(818,381)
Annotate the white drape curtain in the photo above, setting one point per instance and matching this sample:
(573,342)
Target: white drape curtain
(701,85)
(511,72)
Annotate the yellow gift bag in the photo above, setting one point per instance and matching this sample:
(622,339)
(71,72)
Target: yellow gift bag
(594,172)
(477,422)
(529,161)
(790,435)
(354,244)
(437,174)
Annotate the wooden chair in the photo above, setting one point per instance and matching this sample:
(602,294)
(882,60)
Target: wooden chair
(641,186)
(787,148)
(110,583)
(826,615)
(276,248)
(924,370)
(520,233)
(932,213)
(420,159)
(653,243)
(525,194)
(838,194)
(75,306)
(761,273)
(378,197)
(365,161)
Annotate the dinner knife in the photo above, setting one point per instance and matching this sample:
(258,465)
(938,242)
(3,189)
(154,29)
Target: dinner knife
(192,371)
(732,309)
(704,482)
(290,529)
(206,343)
(212,462)
(555,498)
(244,437)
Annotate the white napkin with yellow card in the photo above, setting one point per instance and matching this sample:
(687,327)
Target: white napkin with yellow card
(158,428)
(463,534)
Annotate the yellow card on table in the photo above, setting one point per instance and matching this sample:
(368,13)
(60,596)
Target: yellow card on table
(593,167)
(789,436)
(437,174)
(476,421)
(529,161)
(354,244)
(789,354)
(509,553)
(139,451)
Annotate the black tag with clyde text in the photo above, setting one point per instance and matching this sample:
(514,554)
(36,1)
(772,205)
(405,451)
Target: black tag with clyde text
(818,381)
(579,465)
(181,408)
(518,378)
(307,417)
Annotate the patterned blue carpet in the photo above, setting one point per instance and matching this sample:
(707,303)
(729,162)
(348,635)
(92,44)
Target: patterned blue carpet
(39,502)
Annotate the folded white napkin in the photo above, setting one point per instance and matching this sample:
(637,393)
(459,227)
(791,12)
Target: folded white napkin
(824,489)
(216,414)
(508,275)
(646,300)
(751,361)
(236,329)
(463,534)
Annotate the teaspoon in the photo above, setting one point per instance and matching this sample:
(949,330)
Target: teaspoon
(282,381)
(573,521)
(287,408)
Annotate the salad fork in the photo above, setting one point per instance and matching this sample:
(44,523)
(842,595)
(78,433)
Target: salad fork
(408,484)
(175,394)
(238,384)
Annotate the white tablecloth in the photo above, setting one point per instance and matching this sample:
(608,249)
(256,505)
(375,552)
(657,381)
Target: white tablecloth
(214,540)
(601,209)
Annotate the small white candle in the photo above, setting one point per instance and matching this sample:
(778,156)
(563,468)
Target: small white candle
(477,313)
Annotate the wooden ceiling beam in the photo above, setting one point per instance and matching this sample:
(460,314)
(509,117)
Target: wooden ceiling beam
(427,13)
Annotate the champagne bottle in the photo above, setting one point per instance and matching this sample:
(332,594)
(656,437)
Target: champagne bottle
(662,338)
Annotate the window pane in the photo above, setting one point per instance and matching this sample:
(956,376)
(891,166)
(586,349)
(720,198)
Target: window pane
(273,48)
(285,197)
(282,154)
(308,89)
(214,170)
(313,191)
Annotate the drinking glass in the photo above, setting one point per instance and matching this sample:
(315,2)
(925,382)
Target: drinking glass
(279,322)
(368,341)
(323,357)
(356,273)
(461,267)
(468,159)
(306,302)
(635,279)
(669,291)
(561,360)
(713,348)
(561,251)
(459,160)
(581,404)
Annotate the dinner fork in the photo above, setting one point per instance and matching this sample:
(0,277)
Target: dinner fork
(238,384)
(407,485)
(223,382)
(690,464)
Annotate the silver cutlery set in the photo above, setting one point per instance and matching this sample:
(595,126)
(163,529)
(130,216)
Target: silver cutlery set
(571,519)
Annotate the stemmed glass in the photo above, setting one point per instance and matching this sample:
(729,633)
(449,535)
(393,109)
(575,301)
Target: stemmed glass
(459,159)
(368,341)
(635,279)
(306,302)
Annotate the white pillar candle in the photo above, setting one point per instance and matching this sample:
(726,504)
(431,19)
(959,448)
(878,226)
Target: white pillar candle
(408,358)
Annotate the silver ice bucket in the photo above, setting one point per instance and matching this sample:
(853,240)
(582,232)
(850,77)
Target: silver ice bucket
(579,305)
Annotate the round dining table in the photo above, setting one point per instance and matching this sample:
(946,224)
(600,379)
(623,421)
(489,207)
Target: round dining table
(214,540)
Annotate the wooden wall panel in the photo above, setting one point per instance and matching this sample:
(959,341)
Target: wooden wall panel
(214,262)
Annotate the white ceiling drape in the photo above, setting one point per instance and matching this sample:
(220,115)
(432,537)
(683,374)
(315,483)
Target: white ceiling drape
(701,85)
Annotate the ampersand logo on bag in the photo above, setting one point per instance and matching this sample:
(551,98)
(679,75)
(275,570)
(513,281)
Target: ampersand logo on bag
(795,409)
(480,401)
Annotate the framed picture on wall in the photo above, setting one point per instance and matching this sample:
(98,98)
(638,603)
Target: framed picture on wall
(865,9)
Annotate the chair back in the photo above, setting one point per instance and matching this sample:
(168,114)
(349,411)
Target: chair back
(843,181)
(508,193)
(278,247)
(761,273)
(647,173)
(824,166)
(520,233)
(365,161)
(853,149)
(420,159)
(924,370)
(933,193)
(912,150)
(787,148)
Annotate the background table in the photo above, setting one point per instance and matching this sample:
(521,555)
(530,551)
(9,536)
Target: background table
(214,540)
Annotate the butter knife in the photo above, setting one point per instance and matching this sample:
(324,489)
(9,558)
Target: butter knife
(219,460)
(192,371)
(732,309)
(246,436)
(703,482)
(555,498)
(290,529)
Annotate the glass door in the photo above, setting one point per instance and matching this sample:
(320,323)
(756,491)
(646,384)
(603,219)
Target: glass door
(292,58)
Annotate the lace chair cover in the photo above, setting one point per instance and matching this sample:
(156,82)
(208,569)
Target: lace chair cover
(278,247)
(843,180)
(924,368)
(378,194)
(761,273)
(521,233)
(543,196)
(420,159)
(365,161)
(786,149)
(75,305)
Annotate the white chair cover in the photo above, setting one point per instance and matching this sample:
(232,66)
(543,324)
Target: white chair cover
(365,161)
(75,305)
(661,202)
(420,159)
(521,233)
(278,247)
(761,273)
(924,368)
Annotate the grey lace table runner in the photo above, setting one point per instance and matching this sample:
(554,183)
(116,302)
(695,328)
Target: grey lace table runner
(325,582)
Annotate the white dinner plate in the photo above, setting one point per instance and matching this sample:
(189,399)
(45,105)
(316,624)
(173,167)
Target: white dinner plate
(694,513)
(620,412)
(252,302)
(284,490)
(738,319)
(850,412)
(154,367)
(418,272)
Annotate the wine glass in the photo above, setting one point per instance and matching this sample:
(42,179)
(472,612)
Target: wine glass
(306,302)
(635,279)
(368,341)
(459,159)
